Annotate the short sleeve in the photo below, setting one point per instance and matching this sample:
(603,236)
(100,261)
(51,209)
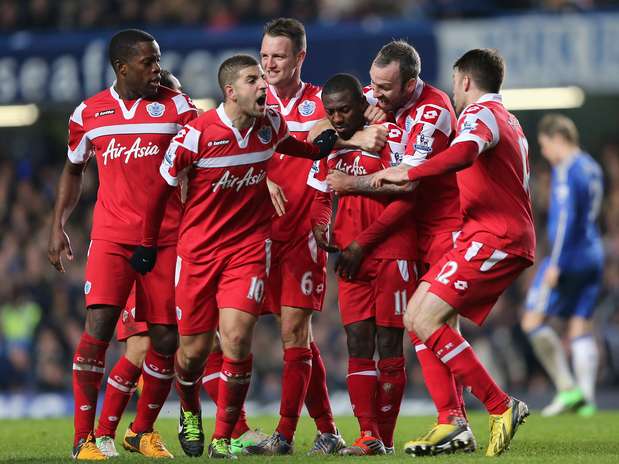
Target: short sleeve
(429,134)
(185,108)
(477,124)
(79,149)
(394,150)
(317,177)
(182,153)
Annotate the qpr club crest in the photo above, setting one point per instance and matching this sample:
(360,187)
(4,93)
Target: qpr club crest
(155,109)
(307,107)
(265,134)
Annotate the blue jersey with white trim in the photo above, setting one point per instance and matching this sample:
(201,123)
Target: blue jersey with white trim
(576,196)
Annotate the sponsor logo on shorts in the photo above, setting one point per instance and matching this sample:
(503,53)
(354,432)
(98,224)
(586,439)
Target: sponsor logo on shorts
(155,109)
(87,287)
(461,285)
(307,108)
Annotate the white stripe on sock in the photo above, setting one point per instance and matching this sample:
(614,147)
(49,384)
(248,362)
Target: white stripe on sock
(118,386)
(455,352)
(368,373)
(88,368)
(213,376)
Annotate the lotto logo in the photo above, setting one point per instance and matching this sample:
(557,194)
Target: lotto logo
(461,285)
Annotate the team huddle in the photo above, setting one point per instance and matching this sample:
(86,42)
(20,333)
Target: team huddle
(205,221)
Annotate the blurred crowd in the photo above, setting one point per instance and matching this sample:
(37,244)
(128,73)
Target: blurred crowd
(42,313)
(223,14)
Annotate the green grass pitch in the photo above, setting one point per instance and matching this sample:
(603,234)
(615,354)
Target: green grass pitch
(562,440)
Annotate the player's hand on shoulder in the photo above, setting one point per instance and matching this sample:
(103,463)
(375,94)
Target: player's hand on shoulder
(321,234)
(58,243)
(349,261)
(374,115)
(278,198)
(371,139)
(143,259)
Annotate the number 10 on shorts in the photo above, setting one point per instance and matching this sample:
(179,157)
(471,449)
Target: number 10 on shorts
(256,289)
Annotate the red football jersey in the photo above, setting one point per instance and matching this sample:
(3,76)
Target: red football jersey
(301,112)
(228,204)
(128,139)
(355,213)
(430,121)
(494,191)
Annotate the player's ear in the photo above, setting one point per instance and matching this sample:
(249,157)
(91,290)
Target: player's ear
(410,85)
(229,92)
(301,56)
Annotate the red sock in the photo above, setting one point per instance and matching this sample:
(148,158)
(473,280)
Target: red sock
(158,374)
(210,382)
(440,382)
(362,389)
(457,354)
(121,383)
(317,397)
(391,385)
(233,386)
(188,388)
(88,368)
(295,380)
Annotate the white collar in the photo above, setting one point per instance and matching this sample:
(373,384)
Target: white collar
(490,97)
(285,110)
(128,113)
(419,85)
(242,141)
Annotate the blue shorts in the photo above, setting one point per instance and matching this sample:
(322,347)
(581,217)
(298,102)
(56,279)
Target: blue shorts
(576,293)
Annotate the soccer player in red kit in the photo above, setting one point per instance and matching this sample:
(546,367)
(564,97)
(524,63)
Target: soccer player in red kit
(224,245)
(489,154)
(371,302)
(135,335)
(427,116)
(128,127)
(296,283)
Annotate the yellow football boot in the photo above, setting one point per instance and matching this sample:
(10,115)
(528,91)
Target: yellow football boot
(503,427)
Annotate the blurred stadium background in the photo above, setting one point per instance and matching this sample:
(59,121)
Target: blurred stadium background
(53,55)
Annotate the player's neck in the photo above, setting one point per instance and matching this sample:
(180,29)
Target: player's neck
(124,92)
(290,89)
(566,153)
(239,119)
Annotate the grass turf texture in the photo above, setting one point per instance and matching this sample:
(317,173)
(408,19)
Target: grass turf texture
(566,439)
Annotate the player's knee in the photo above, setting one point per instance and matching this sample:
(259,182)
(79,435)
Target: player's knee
(408,320)
(137,346)
(164,338)
(236,343)
(296,333)
(101,321)
(389,342)
(193,356)
(422,323)
(360,338)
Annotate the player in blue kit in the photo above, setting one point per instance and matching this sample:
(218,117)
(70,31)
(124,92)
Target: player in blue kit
(568,282)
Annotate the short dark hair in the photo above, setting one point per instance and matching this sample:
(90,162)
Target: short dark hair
(485,66)
(122,44)
(557,124)
(229,69)
(343,83)
(406,56)
(288,27)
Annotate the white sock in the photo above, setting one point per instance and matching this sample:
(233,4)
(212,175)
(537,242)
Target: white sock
(547,346)
(585,359)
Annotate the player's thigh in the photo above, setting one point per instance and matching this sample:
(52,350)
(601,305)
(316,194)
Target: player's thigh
(195,291)
(155,291)
(109,276)
(303,274)
(356,300)
(471,278)
(394,282)
(194,349)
